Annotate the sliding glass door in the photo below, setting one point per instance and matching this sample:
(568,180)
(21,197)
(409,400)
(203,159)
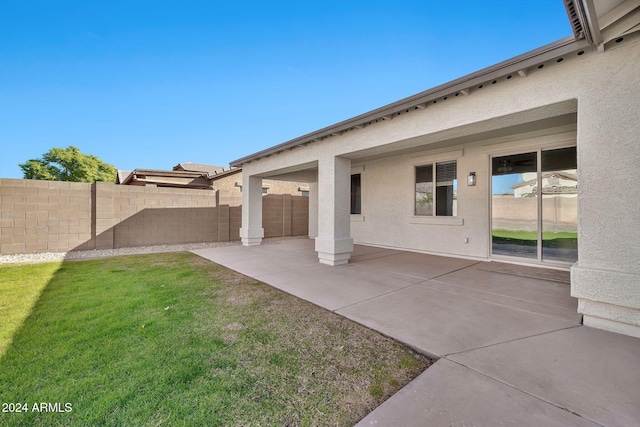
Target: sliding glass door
(534,205)
(559,205)
(514,210)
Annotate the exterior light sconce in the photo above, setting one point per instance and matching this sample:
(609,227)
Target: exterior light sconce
(471,179)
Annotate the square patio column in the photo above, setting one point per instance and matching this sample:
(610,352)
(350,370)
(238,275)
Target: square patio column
(251,232)
(313,210)
(334,243)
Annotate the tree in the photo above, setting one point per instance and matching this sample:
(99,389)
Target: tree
(68,164)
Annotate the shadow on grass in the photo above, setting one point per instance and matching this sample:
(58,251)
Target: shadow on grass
(20,290)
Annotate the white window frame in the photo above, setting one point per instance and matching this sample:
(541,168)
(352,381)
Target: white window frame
(424,160)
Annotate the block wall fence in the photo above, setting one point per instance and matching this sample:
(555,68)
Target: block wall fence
(52,216)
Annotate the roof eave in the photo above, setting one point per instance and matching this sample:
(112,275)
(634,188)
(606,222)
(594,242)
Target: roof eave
(215,177)
(160,172)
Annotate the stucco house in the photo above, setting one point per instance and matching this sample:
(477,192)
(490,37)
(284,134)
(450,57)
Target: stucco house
(202,176)
(557,182)
(429,172)
(230,180)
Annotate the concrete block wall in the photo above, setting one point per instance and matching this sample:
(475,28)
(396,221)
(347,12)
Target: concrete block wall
(229,215)
(145,215)
(272,215)
(521,213)
(50,216)
(44,216)
(285,215)
(235,222)
(299,216)
(167,226)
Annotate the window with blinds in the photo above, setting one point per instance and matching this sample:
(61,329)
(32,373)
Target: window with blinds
(440,200)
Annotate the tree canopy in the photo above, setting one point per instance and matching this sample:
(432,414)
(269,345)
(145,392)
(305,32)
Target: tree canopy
(68,164)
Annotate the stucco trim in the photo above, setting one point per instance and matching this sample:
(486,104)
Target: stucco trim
(611,326)
(612,287)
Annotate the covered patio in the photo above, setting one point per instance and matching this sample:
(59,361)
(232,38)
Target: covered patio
(437,305)
(528,160)
(510,345)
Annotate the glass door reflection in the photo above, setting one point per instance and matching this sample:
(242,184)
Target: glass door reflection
(559,205)
(514,206)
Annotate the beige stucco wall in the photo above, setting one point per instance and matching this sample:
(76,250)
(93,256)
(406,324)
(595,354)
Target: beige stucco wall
(233,183)
(603,88)
(388,187)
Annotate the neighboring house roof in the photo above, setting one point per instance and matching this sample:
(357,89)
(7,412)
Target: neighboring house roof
(121,176)
(183,175)
(593,26)
(220,175)
(198,167)
(163,178)
(534,181)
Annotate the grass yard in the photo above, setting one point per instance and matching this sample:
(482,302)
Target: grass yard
(550,239)
(172,339)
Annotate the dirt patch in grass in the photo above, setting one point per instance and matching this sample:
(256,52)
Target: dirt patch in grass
(173,339)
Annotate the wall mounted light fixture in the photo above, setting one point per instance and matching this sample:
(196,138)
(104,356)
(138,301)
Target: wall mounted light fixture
(471,179)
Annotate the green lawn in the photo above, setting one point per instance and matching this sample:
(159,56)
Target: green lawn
(171,339)
(550,239)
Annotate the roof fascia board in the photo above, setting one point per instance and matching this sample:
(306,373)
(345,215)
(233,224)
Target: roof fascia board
(510,66)
(618,13)
(166,182)
(591,19)
(624,25)
(215,177)
(158,172)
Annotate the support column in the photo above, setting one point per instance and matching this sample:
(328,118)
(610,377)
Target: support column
(313,210)
(334,243)
(251,232)
(606,278)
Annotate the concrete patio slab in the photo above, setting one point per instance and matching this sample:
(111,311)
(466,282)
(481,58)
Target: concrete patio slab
(448,394)
(591,372)
(226,253)
(565,313)
(535,295)
(336,287)
(439,323)
(362,253)
(303,248)
(553,275)
(415,264)
(511,348)
(555,294)
(273,259)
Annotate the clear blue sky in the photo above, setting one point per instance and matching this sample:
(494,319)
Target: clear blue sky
(149,84)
